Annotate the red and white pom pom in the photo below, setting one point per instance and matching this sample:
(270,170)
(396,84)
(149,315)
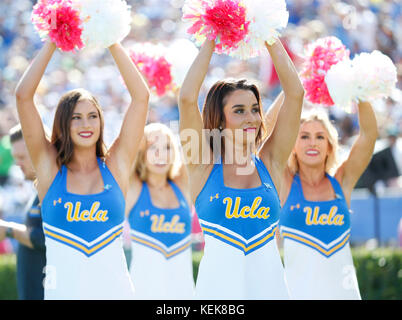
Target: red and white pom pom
(150,60)
(266,19)
(319,57)
(59,20)
(376,75)
(221,20)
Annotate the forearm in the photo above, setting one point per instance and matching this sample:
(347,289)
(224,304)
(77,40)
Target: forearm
(361,150)
(271,115)
(367,121)
(20,233)
(195,76)
(287,73)
(133,79)
(285,129)
(30,80)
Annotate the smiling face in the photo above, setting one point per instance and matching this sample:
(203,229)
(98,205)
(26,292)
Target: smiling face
(242,112)
(159,155)
(312,145)
(85,124)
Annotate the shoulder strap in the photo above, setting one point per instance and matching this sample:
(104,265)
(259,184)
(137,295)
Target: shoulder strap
(295,192)
(217,174)
(336,186)
(107,176)
(215,177)
(264,174)
(61,178)
(179,195)
(143,198)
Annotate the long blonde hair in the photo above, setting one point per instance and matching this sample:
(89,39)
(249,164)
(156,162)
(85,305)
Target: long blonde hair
(332,161)
(140,164)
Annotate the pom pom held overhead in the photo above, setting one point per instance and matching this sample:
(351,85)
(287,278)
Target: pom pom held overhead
(319,57)
(73,24)
(221,20)
(377,75)
(105,22)
(367,77)
(266,19)
(59,21)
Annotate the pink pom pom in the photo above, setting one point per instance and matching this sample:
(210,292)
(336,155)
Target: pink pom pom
(155,68)
(220,20)
(41,13)
(319,57)
(58,20)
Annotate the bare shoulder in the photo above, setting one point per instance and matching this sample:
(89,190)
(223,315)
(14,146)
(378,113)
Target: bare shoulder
(46,171)
(118,170)
(286,185)
(346,187)
(275,168)
(133,193)
(183,186)
(340,177)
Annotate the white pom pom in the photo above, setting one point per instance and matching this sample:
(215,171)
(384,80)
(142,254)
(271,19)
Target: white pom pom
(377,75)
(105,22)
(181,54)
(266,19)
(341,83)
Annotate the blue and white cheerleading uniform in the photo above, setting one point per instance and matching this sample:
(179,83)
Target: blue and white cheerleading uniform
(161,264)
(241,259)
(317,256)
(84,247)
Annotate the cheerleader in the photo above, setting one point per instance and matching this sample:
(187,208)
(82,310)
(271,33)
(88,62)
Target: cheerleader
(236,199)
(158,211)
(315,218)
(81,185)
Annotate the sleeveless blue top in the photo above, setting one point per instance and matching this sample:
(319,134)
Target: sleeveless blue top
(87,223)
(243,218)
(167,231)
(321,225)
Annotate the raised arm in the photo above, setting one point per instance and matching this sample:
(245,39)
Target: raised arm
(182,179)
(31,123)
(276,149)
(360,154)
(124,149)
(42,154)
(135,183)
(190,116)
(272,113)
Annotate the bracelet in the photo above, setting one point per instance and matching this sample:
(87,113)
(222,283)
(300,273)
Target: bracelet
(10,232)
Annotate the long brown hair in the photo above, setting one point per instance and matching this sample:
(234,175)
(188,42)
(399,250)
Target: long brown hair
(61,137)
(212,113)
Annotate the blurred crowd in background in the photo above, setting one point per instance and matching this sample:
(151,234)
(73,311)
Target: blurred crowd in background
(362,25)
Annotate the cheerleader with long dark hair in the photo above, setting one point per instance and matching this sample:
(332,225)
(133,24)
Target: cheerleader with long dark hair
(81,184)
